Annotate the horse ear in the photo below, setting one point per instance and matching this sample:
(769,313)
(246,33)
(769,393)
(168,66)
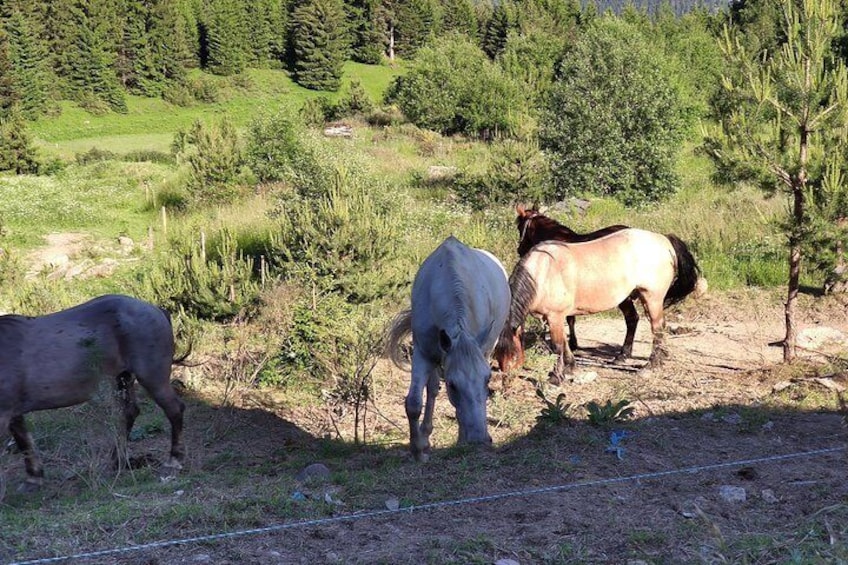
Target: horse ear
(520,210)
(444,341)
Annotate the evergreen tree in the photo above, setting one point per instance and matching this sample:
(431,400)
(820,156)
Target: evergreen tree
(257,19)
(225,37)
(89,62)
(459,17)
(318,46)
(28,58)
(365,24)
(415,22)
(170,47)
(16,151)
(497,30)
(786,127)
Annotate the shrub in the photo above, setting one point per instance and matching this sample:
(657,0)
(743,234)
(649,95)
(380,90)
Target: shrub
(613,123)
(517,172)
(215,158)
(344,241)
(211,282)
(452,88)
(95,155)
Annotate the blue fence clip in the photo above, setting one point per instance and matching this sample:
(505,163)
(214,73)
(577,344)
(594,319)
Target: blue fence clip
(616,437)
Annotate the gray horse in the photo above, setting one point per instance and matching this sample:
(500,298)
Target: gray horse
(460,302)
(58,360)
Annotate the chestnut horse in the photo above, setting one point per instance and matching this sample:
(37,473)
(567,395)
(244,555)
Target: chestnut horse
(57,360)
(554,280)
(534,227)
(460,301)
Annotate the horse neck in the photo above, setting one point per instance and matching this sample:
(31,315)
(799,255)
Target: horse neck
(463,350)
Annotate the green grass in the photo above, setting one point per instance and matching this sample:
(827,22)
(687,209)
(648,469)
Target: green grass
(150,122)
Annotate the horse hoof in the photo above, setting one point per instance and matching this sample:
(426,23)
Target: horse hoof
(645,371)
(554,379)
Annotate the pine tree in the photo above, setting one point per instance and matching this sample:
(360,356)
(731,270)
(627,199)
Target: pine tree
(497,30)
(89,62)
(28,57)
(459,17)
(414,24)
(786,125)
(16,151)
(366,30)
(318,44)
(225,37)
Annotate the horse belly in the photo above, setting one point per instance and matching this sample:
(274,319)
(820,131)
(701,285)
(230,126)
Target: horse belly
(64,374)
(600,294)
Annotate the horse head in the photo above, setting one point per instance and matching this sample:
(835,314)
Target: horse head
(526,229)
(509,351)
(467,374)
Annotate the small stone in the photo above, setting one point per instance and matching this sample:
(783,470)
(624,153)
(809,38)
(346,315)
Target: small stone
(393,504)
(768,496)
(708,417)
(730,493)
(768,426)
(585,377)
(506,562)
(732,419)
(125,241)
(313,472)
(202,558)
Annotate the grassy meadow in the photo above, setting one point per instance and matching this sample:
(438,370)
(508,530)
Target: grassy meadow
(247,481)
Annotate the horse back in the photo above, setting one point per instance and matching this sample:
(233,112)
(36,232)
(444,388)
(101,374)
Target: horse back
(458,288)
(60,357)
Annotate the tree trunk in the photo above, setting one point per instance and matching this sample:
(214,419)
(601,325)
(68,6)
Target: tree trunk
(798,185)
(392,43)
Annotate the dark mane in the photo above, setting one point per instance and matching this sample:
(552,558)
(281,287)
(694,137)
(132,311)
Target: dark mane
(534,227)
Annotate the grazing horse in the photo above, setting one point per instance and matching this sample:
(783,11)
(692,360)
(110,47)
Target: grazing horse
(460,301)
(554,280)
(534,227)
(57,360)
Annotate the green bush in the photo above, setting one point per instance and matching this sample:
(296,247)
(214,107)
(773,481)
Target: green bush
(517,172)
(614,123)
(213,281)
(344,241)
(215,158)
(452,87)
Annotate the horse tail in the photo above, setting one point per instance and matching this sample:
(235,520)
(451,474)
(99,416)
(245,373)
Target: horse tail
(687,275)
(179,360)
(522,287)
(400,328)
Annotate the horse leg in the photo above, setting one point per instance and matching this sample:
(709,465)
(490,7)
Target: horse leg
(129,403)
(631,319)
(423,373)
(163,394)
(572,334)
(23,439)
(565,362)
(429,407)
(654,308)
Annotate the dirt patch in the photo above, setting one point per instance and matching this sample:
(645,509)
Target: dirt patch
(724,420)
(72,255)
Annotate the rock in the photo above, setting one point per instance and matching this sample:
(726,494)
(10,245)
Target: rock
(125,242)
(202,558)
(339,130)
(440,173)
(768,496)
(732,419)
(315,472)
(393,504)
(585,377)
(506,562)
(818,337)
(730,493)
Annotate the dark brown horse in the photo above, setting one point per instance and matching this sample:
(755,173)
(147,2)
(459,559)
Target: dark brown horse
(58,360)
(534,227)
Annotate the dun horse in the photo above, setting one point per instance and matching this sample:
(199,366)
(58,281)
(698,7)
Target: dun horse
(460,301)
(534,227)
(57,360)
(554,280)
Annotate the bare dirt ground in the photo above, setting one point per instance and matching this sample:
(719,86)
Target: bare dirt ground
(713,424)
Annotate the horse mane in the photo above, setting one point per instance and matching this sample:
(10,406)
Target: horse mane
(523,290)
